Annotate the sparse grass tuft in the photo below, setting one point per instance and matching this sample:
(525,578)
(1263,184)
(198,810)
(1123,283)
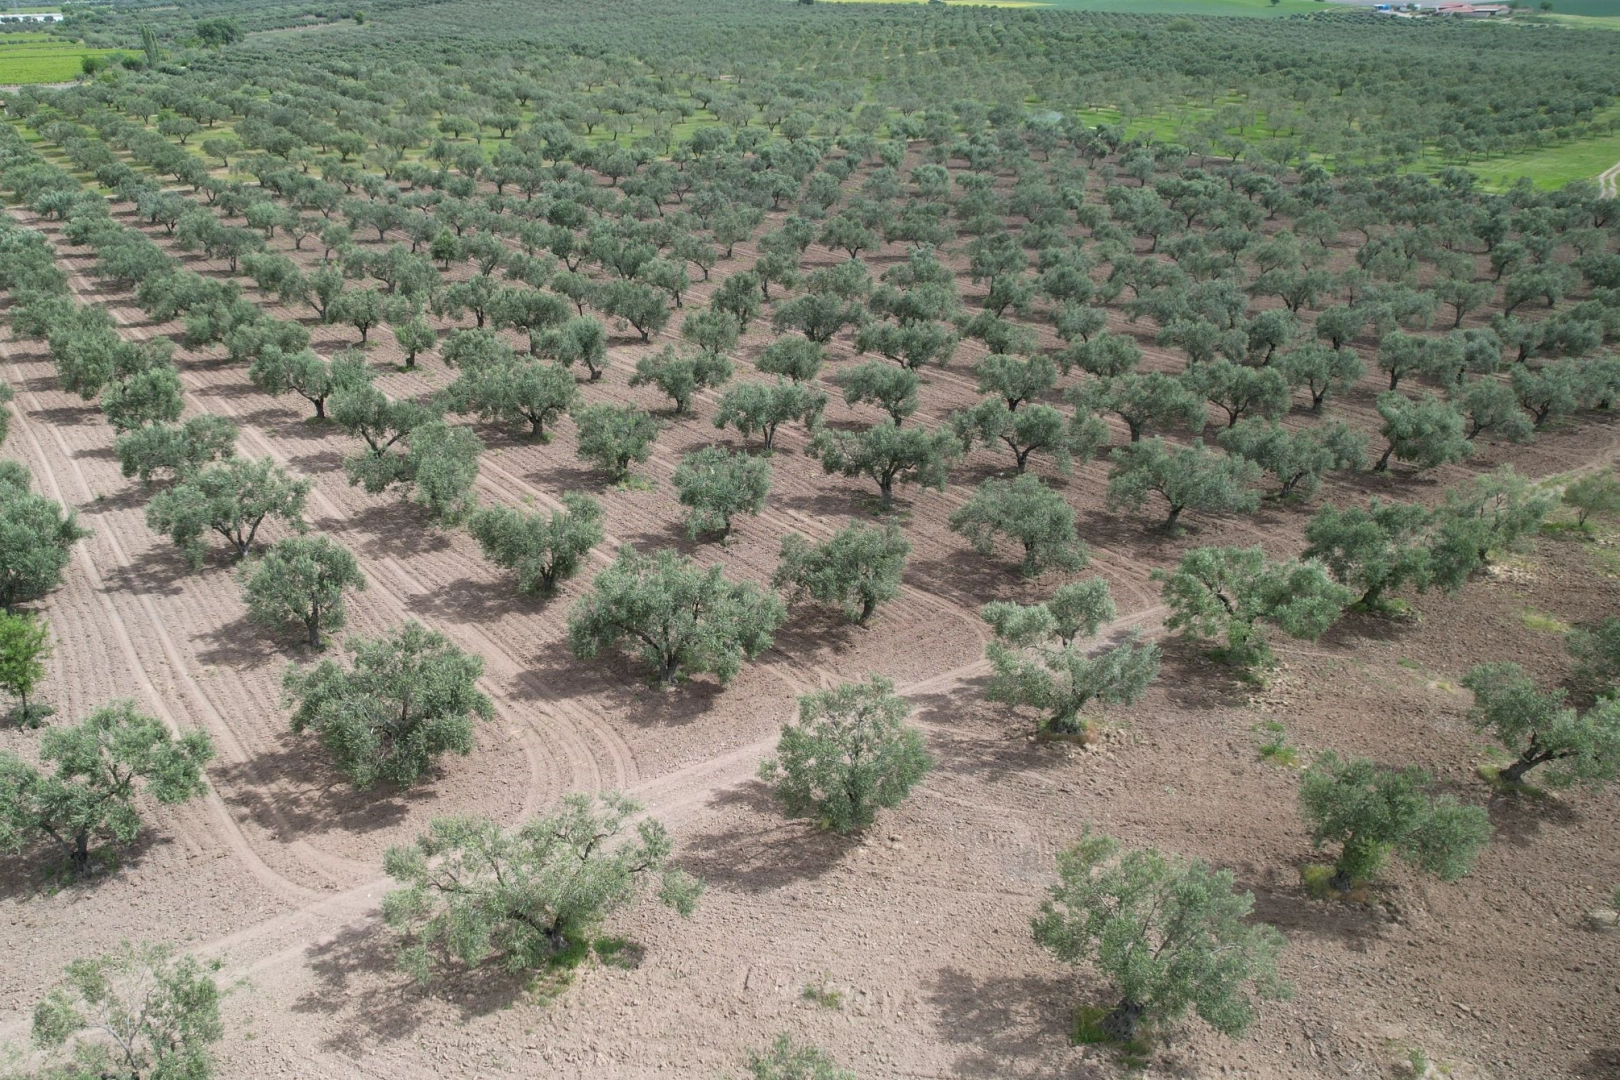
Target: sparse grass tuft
(821,994)
(1274,744)
(1492,775)
(1543,623)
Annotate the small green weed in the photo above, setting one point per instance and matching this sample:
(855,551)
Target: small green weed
(1418,1061)
(1088,1031)
(822,994)
(618,952)
(634,482)
(1542,622)
(1274,744)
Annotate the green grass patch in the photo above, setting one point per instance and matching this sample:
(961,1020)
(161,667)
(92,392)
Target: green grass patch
(1541,622)
(31,62)
(618,952)
(1088,1031)
(1274,744)
(823,995)
(1492,775)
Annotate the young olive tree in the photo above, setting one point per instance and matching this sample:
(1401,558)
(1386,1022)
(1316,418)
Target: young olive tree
(1229,592)
(1371,812)
(89,777)
(1029,512)
(407,698)
(25,644)
(232,499)
(300,582)
(470,891)
(857,569)
(716,485)
(680,618)
(1595,493)
(130,1014)
(850,755)
(543,549)
(1173,935)
(1576,747)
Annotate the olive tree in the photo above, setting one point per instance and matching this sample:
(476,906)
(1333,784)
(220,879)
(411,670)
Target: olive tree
(1029,512)
(856,569)
(470,891)
(232,499)
(762,407)
(612,436)
(793,357)
(1297,459)
(89,776)
(1541,730)
(1188,478)
(1173,936)
(1229,592)
(25,644)
(1423,433)
(36,536)
(892,389)
(1377,550)
(1076,610)
(1059,683)
(407,698)
(716,485)
(680,377)
(680,619)
(310,376)
(1371,812)
(136,1012)
(300,582)
(178,449)
(1321,370)
(1144,401)
(850,754)
(543,549)
(528,392)
(1029,430)
(889,455)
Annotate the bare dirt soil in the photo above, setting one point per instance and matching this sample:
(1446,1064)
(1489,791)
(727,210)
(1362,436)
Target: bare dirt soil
(921,928)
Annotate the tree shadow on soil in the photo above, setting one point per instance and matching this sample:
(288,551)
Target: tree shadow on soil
(1519,819)
(470,600)
(41,869)
(361,987)
(293,789)
(1003,1023)
(396,527)
(1192,679)
(764,851)
(156,572)
(245,645)
(965,751)
(622,680)
(1291,909)
(556,479)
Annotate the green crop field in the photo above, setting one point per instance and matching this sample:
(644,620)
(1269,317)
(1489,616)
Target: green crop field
(39,61)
